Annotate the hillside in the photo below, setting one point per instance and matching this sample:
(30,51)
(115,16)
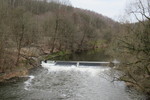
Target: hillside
(30,28)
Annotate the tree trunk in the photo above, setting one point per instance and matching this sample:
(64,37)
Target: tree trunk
(19,45)
(55,34)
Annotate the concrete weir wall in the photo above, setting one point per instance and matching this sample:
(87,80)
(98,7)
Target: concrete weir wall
(78,63)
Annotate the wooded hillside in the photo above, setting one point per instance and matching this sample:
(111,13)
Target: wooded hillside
(29,28)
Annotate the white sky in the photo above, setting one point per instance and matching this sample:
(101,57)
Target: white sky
(110,8)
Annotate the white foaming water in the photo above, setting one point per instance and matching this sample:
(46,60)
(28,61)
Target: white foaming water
(88,69)
(116,61)
(70,82)
(28,82)
(46,65)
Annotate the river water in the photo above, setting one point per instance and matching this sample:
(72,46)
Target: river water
(69,82)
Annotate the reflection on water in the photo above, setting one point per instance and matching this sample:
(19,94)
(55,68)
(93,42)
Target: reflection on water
(92,55)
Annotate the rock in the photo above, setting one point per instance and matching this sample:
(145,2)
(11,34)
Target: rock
(111,64)
(10,75)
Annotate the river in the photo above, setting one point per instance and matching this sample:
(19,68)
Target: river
(69,82)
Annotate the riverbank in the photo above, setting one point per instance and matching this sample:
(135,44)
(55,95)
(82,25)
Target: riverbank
(20,71)
(7,76)
(27,62)
(140,83)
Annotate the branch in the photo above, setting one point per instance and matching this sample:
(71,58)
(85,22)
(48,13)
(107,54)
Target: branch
(134,13)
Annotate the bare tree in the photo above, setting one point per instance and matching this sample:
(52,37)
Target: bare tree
(133,44)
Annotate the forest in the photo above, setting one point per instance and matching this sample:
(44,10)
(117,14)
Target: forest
(31,28)
(48,27)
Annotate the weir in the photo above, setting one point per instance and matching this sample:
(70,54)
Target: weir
(79,63)
(74,82)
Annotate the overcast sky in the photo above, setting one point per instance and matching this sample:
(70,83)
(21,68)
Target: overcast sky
(111,8)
